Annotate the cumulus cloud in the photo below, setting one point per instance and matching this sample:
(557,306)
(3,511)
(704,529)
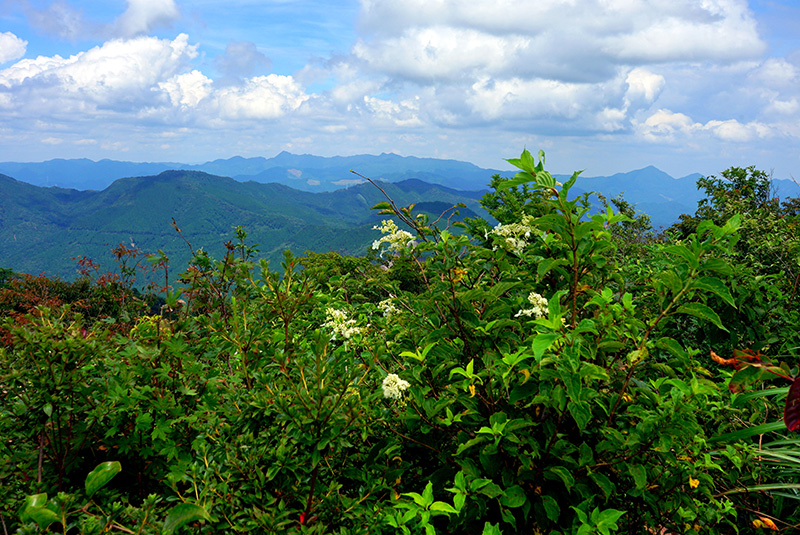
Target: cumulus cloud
(441,52)
(561,65)
(242,58)
(61,19)
(261,97)
(120,74)
(643,86)
(187,90)
(666,125)
(425,39)
(142,16)
(11,47)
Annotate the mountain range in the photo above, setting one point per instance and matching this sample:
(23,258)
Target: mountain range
(52,212)
(299,171)
(47,229)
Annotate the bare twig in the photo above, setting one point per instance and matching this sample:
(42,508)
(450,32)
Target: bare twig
(408,221)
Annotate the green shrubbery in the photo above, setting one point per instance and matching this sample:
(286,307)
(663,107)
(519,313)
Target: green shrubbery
(551,374)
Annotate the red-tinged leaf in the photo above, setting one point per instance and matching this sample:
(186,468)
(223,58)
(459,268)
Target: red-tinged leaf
(791,413)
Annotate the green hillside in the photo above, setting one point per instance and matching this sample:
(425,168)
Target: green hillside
(42,230)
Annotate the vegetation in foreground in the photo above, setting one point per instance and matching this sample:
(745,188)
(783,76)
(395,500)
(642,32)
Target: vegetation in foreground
(561,372)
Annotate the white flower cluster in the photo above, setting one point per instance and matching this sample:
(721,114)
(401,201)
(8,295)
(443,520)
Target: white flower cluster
(513,237)
(340,324)
(388,308)
(393,386)
(397,240)
(539,309)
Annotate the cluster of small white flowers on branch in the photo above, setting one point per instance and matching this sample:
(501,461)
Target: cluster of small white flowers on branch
(340,324)
(388,308)
(393,386)
(514,237)
(396,239)
(538,310)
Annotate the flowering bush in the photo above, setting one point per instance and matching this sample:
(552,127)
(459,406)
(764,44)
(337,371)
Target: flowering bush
(393,387)
(538,310)
(396,240)
(514,237)
(594,410)
(340,324)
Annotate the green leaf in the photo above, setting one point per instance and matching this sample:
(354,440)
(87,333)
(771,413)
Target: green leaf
(715,286)
(491,490)
(491,529)
(41,515)
(683,252)
(605,484)
(182,514)
(427,495)
(581,412)
(101,475)
(703,312)
(750,432)
(36,510)
(639,474)
(551,508)
(541,344)
(718,265)
(417,497)
(545,180)
(513,497)
(443,507)
(559,472)
(518,180)
(382,206)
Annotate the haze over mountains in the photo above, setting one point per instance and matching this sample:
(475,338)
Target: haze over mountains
(304,172)
(54,211)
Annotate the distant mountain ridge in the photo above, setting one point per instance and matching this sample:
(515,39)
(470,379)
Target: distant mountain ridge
(44,229)
(304,172)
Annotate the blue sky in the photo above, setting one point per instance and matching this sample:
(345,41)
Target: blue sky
(602,85)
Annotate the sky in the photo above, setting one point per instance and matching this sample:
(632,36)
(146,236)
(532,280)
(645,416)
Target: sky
(605,86)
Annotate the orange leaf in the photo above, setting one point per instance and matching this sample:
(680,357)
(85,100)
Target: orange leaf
(765,523)
(725,362)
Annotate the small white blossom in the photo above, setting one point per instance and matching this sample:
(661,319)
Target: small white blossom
(514,237)
(340,324)
(388,308)
(397,240)
(393,387)
(538,310)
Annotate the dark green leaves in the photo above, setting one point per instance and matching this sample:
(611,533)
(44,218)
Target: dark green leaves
(183,514)
(101,475)
(704,312)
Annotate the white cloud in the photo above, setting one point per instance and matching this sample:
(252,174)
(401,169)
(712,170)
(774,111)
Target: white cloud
(117,75)
(732,130)
(421,39)
(442,52)
(666,125)
(11,47)
(187,90)
(643,86)
(402,113)
(242,58)
(261,97)
(784,107)
(775,73)
(142,16)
